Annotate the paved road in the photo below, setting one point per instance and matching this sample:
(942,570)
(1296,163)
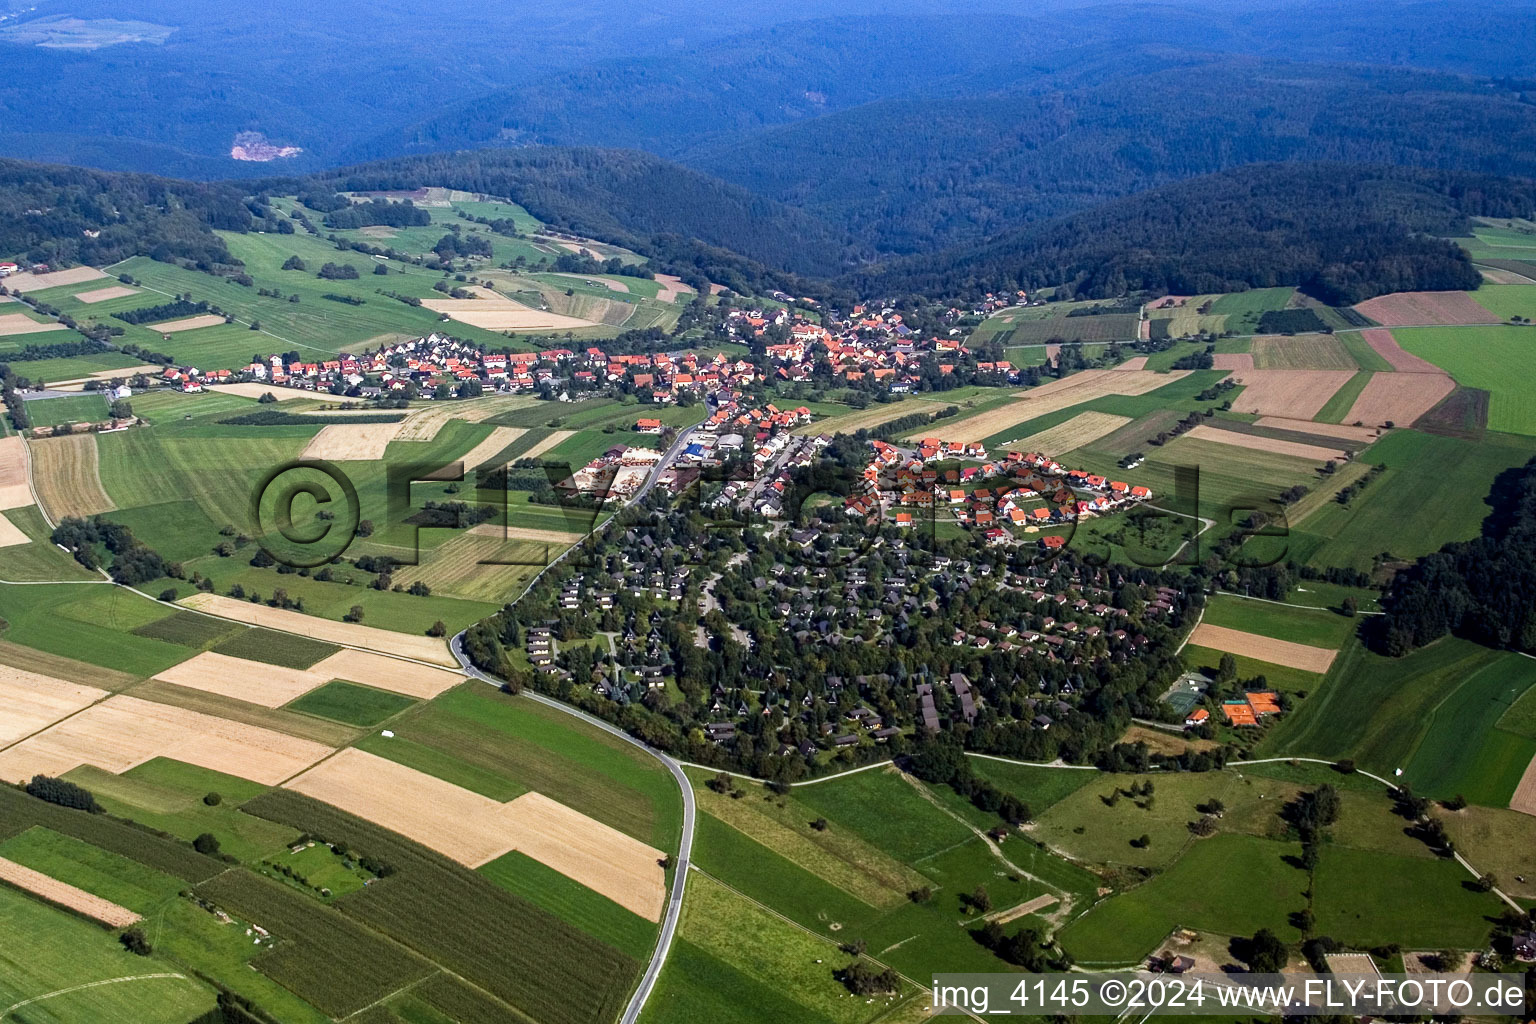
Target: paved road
(685,848)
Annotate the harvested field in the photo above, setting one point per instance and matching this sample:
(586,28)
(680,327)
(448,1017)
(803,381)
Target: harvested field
(474,830)
(671,287)
(554,440)
(1263,648)
(33,701)
(103,294)
(121,732)
(352,442)
(1301,352)
(31,659)
(1235,361)
(1084,428)
(405,645)
(387,673)
(1399,398)
(61,894)
(598,856)
(1297,394)
(14,492)
(1136,363)
(486,450)
(22,283)
(861,419)
(525,533)
(423,424)
(271,686)
(15,323)
(1387,347)
(11,534)
(251,389)
(502,315)
(67,477)
(1426,309)
(1344,432)
(478,567)
(1053,397)
(1310,452)
(190,323)
(1494,275)
(1524,799)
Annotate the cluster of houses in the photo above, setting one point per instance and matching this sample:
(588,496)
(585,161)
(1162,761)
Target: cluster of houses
(899,477)
(428,362)
(873,344)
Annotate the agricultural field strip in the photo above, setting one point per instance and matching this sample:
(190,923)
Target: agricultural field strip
(1310,452)
(346,634)
(1053,397)
(67,474)
(11,535)
(1295,394)
(1263,648)
(1399,398)
(65,895)
(474,830)
(33,701)
(273,686)
(1082,429)
(16,325)
(15,492)
(28,282)
(122,732)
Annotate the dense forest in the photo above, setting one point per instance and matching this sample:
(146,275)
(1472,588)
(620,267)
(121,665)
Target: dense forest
(1343,233)
(1482,589)
(915,174)
(46,212)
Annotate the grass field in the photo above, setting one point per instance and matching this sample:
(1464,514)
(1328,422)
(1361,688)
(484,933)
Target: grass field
(1432,713)
(99,872)
(48,950)
(1367,899)
(1510,299)
(1228,884)
(740,963)
(1316,628)
(50,412)
(352,704)
(1422,501)
(1480,357)
(1279,677)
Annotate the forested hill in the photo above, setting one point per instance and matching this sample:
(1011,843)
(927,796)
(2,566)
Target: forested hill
(917,174)
(46,212)
(1483,589)
(621,196)
(1343,233)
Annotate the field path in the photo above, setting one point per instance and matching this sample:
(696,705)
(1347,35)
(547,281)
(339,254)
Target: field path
(90,984)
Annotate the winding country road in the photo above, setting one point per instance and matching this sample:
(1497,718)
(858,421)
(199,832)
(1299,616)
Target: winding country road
(685,847)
